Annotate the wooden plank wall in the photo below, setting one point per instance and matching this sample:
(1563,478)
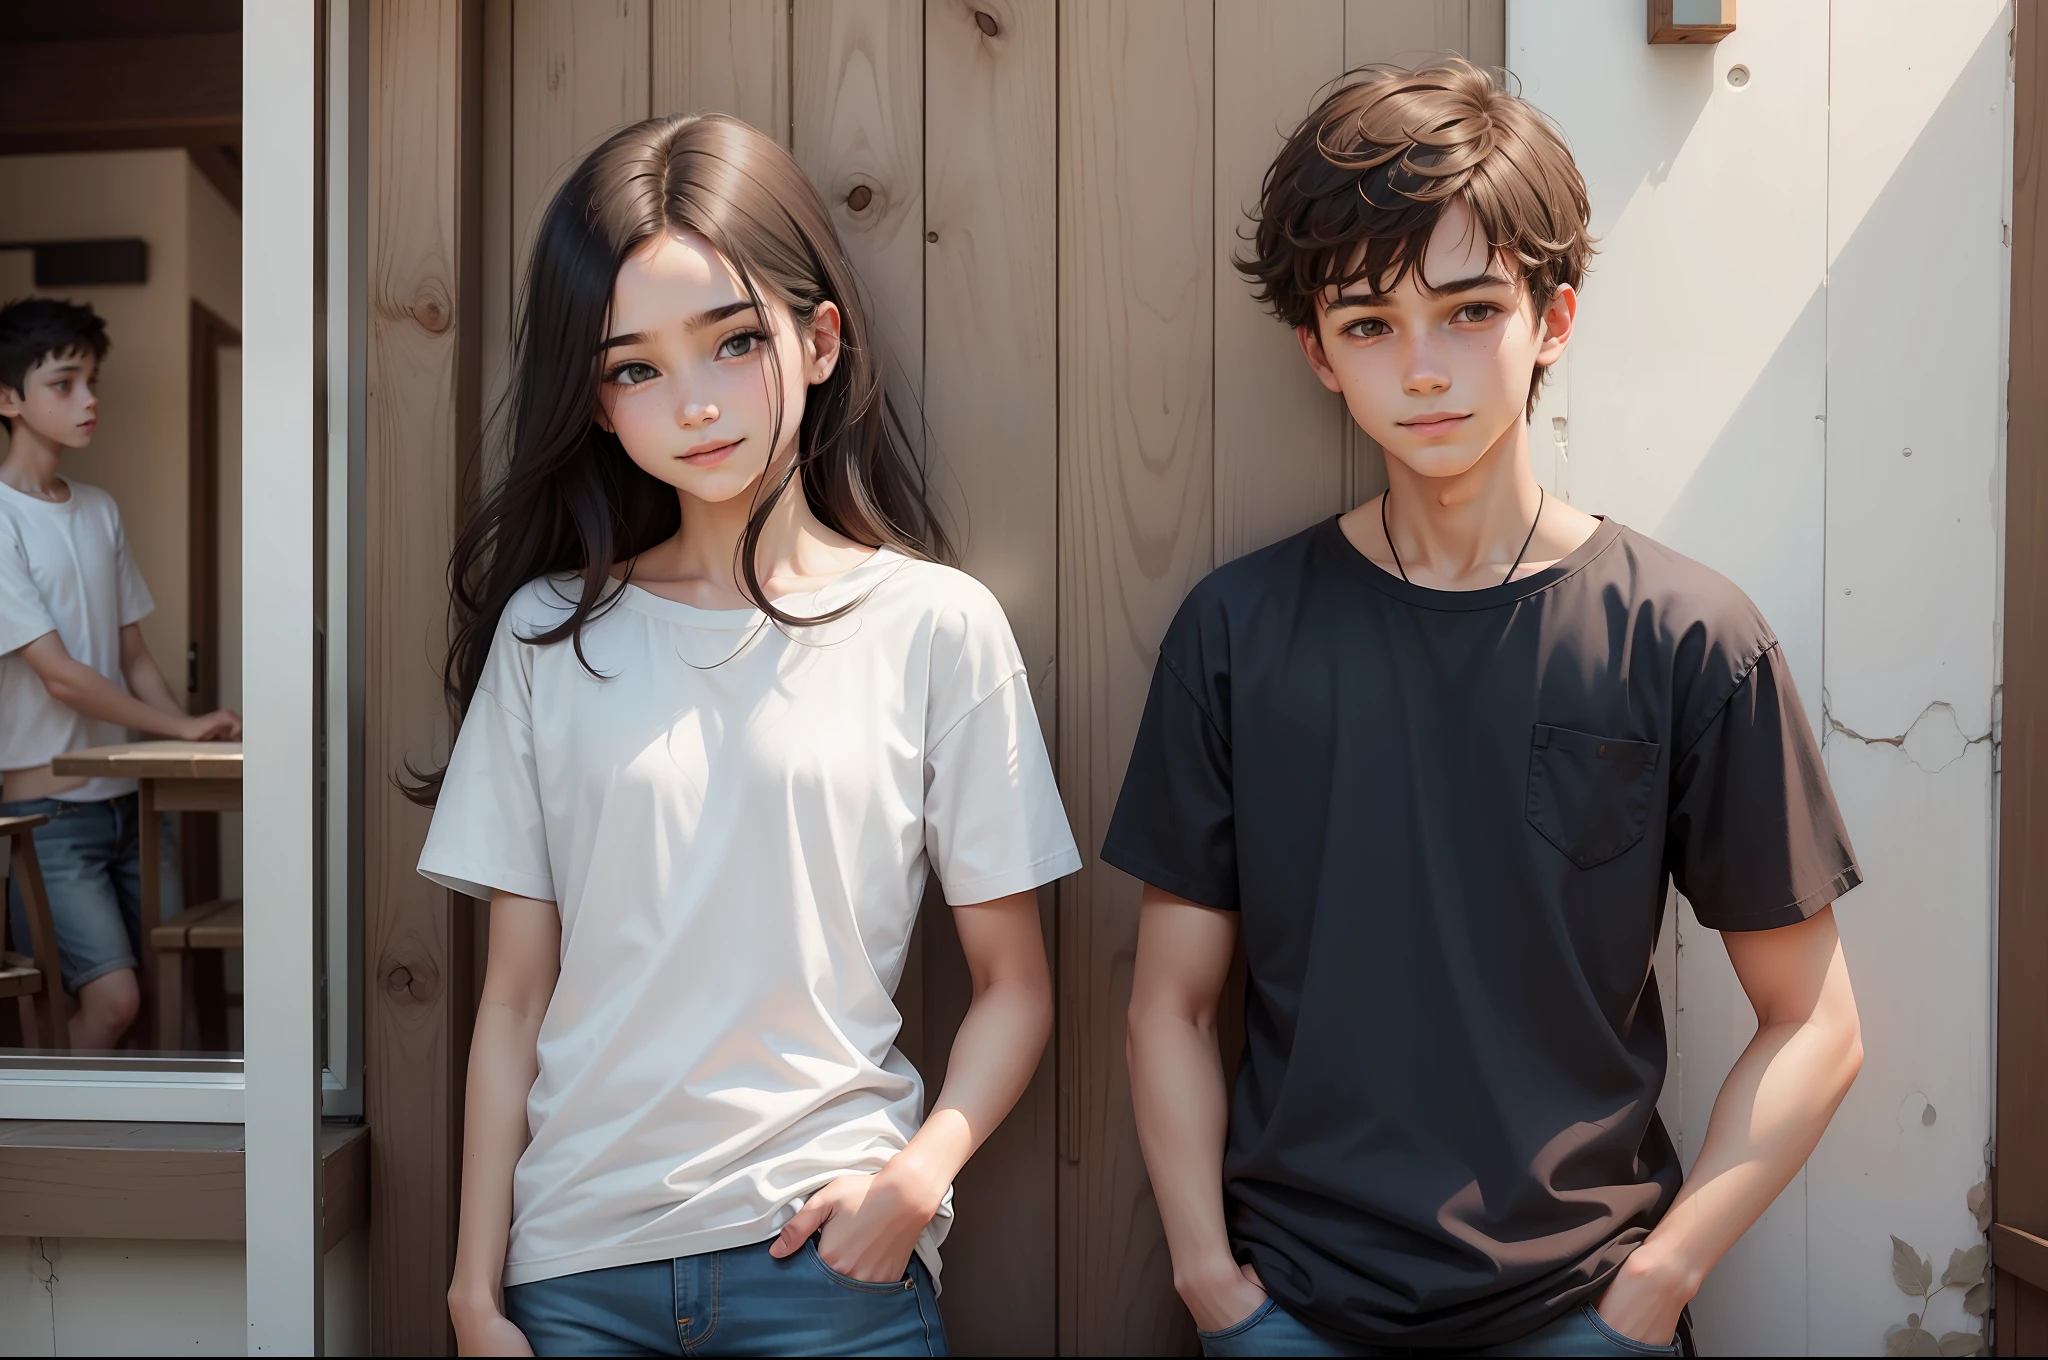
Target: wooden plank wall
(1054,196)
(2020,1201)
(990,399)
(1188,435)
(425,60)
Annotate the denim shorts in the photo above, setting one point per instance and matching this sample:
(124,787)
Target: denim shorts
(737,1302)
(91,856)
(1272,1330)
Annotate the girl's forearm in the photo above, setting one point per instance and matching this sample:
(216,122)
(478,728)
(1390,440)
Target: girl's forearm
(994,1055)
(502,1068)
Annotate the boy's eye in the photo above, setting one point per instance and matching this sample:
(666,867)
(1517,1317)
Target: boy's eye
(631,373)
(1476,311)
(1368,328)
(740,344)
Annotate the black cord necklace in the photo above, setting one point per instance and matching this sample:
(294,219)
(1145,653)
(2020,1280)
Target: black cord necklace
(1386,496)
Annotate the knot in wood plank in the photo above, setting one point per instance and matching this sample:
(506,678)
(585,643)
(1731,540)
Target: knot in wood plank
(858,198)
(986,22)
(431,308)
(416,981)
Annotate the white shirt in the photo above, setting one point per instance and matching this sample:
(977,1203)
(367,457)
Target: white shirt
(736,826)
(64,568)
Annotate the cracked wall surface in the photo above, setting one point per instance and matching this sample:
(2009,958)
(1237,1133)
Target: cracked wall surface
(1933,742)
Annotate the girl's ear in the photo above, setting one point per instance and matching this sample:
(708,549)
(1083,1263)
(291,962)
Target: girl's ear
(821,344)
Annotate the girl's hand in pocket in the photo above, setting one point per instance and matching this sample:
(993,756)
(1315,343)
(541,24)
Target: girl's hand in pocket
(867,1225)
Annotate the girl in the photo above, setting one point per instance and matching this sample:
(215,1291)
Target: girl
(720,712)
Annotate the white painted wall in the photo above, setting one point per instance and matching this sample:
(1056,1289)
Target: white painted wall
(1800,278)
(91,1296)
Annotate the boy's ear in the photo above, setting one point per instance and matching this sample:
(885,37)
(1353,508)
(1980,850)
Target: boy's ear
(1557,321)
(1311,341)
(10,401)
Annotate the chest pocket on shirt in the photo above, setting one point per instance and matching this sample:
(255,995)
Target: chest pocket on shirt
(1589,796)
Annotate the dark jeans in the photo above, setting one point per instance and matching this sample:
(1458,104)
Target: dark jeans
(91,856)
(1272,1330)
(737,1302)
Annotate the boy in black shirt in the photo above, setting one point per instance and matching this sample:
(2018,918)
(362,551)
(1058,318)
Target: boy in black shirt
(1437,759)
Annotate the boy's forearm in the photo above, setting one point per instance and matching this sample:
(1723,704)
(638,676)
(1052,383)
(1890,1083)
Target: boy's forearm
(1181,1103)
(84,690)
(1767,1119)
(146,682)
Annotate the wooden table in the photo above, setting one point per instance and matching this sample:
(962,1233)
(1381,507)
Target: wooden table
(170,776)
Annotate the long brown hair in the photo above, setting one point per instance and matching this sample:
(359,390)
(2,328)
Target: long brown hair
(571,499)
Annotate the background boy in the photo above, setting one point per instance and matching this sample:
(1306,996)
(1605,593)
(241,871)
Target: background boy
(1436,760)
(74,670)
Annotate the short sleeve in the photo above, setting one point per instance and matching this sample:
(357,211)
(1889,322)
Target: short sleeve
(994,823)
(1754,839)
(488,833)
(23,615)
(136,602)
(1175,825)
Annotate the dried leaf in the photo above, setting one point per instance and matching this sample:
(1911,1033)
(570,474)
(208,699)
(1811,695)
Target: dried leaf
(1912,1321)
(1965,1268)
(1960,1343)
(1911,1274)
(1913,1341)
(1978,1301)
(1909,1341)
(1979,1202)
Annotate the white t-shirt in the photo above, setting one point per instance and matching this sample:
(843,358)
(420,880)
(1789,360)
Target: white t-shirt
(64,568)
(736,825)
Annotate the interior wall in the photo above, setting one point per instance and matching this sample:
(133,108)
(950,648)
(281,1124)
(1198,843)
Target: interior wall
(138,451)
(214,240)
(1759,380)
(104,1296)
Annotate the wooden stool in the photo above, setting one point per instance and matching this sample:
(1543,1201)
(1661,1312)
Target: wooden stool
(208,926)
(38,973)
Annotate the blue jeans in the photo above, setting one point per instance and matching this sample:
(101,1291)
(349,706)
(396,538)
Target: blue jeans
(737,1302)
(91,857)
(1272,1330)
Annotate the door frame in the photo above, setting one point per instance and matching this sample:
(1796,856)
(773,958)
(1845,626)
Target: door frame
(2019,1232)
(284,416)
(199,832)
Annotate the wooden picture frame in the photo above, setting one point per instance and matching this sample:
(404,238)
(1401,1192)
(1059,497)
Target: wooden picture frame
(1682,21)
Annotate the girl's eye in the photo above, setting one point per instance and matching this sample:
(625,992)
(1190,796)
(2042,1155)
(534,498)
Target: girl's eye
(631,373)
(740,344)
(1368,328)
(1476,311)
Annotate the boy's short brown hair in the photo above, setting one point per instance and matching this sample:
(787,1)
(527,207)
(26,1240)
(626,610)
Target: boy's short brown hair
(1361,184)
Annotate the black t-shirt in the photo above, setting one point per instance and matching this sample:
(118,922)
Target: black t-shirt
(1447,819)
